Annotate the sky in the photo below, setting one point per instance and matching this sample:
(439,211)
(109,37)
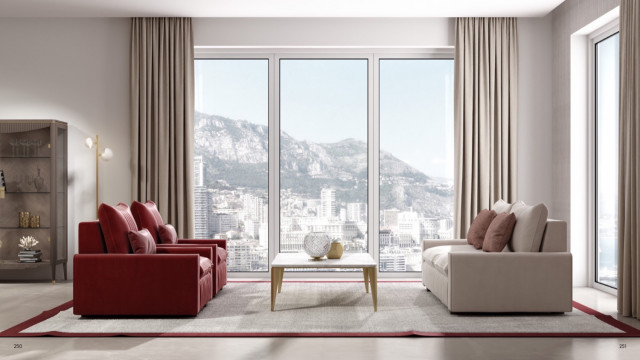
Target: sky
(325,101)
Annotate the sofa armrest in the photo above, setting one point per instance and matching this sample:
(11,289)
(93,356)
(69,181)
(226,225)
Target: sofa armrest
(510,282)
(204,251)
(134,284)
(426,244)
(220,242)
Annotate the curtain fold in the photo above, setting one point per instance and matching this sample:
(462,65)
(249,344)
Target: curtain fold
(485,116)
(629,155)
(162,117)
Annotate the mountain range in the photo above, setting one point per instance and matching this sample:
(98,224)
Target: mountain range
(236,152)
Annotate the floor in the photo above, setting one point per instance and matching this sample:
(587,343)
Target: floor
(19,302)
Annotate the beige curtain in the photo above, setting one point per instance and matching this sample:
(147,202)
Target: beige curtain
(629,155)
(162,109)
(485,116)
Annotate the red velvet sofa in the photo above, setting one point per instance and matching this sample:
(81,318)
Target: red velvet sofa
(109,279)
(148,217)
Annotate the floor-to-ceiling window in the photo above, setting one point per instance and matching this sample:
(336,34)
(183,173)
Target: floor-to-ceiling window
(416,158)
(342,161)
(323,111)
(606,52)
(231,149)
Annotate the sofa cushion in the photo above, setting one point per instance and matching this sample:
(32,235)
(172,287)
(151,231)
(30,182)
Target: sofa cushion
(530,223)
(221,255)
(167,234)
(205,266)
(142,242)
(438,256)
(479,226)
(116,222)
(499,232)
(147,217)
(501,206)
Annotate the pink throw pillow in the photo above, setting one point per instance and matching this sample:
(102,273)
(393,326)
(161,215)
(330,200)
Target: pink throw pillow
(142,242)
(499,232)
(479,226)
(167,234)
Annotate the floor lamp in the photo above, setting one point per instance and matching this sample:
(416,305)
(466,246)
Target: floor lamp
(105,154)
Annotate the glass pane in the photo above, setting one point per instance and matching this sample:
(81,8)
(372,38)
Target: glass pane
(607,60)
(323,152)
(416,158)
(231,158)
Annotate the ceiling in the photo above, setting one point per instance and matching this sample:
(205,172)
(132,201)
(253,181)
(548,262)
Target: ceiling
(276,8)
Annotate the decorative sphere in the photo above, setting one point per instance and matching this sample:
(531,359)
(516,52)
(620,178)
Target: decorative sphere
(317,244)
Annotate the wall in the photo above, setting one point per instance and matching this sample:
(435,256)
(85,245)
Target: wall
(534,113)
(362,32)
(567,19)
(76,71)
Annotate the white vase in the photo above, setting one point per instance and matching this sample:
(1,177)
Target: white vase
(317,244)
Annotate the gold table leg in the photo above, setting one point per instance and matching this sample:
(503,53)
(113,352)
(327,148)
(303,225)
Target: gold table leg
(280,277)
(365,272)
(274,286)
(373,279)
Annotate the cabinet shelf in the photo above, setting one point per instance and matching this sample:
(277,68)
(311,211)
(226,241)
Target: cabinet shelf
(21,228)
(24,157)
(15,265)
(28,192)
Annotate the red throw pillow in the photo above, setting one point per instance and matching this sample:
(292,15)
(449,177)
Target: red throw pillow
(142,242)
(116,222)
(479,226)
(147,217)
(167,234)
(499,232)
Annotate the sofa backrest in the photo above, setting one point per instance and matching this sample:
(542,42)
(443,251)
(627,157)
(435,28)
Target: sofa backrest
(533,231)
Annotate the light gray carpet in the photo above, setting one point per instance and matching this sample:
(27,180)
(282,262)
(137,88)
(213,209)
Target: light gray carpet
(327,308)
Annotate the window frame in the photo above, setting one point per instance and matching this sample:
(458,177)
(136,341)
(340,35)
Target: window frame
(373,56)
(595,37)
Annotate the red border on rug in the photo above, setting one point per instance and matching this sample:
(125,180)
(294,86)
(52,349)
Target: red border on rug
(15,331)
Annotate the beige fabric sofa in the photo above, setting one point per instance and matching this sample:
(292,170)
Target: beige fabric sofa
(532,274)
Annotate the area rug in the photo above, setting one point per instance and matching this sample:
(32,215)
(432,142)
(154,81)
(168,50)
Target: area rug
(327,309)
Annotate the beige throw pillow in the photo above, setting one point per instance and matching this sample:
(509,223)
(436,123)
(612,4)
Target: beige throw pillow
(531,221)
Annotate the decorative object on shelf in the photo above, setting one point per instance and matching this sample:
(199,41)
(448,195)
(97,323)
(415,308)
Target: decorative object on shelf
(24,219)
(34,222)
(3,184)
(336,250)
(317,244)
(105,154)
(27,242)
(38,181)
(30,256)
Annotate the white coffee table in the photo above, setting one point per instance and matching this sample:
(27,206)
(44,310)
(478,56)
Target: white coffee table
(303,261)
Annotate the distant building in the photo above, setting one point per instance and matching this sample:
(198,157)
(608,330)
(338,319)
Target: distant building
(198,171)
(392,262)
(391,218)
(222,222)
(202,211)
(328,204)
(357,212)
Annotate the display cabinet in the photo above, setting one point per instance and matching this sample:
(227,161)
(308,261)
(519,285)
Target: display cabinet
(33,162)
